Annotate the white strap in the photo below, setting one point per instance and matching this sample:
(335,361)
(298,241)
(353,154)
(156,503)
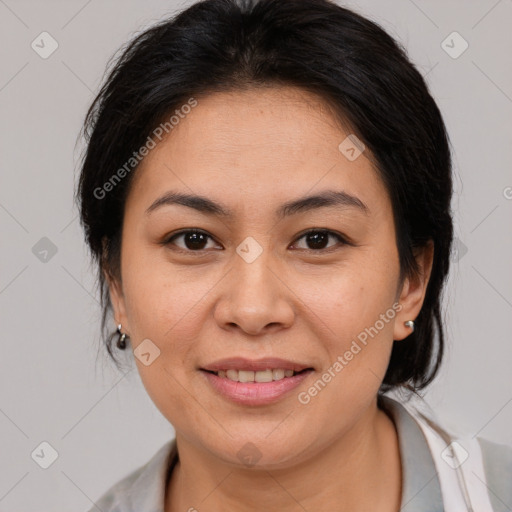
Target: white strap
(460,469)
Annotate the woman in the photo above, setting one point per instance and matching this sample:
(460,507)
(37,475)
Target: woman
(266,190)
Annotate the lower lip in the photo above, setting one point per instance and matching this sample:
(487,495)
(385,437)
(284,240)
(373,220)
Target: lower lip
(255,393)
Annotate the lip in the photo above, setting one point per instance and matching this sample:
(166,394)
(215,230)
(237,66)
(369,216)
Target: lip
(241,363)
(255,393)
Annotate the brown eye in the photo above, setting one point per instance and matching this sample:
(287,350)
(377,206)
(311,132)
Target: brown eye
(318,240)
(193,240)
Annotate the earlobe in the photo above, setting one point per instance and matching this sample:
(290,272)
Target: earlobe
(413,291)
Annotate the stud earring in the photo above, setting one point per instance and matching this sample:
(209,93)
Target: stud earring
(121,341)
(409,324)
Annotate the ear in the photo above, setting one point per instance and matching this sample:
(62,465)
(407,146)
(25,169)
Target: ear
(413,291)
(118,303)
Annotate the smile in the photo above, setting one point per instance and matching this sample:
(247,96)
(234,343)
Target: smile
(255,388)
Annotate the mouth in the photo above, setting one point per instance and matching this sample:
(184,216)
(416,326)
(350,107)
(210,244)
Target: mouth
(255,382)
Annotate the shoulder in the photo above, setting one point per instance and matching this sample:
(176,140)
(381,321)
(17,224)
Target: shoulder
(496,456)
(113,500)
(497,461)
(481,469)
(143,489)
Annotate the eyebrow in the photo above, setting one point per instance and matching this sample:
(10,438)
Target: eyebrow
(325,199)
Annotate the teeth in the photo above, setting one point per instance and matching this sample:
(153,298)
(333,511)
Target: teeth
(232,375)
(267,375)
(263,376)
(245,376)
(278,374)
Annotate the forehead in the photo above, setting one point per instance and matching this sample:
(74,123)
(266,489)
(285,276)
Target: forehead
(260,143)
(241,122)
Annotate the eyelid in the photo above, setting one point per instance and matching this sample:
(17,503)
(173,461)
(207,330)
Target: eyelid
(341,238)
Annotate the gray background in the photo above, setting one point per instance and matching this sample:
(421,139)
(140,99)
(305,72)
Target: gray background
(101,422)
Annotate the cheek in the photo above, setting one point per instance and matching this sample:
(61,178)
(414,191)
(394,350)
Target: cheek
(353,296)
(357,304)
(165,303)
(160,308)
(359,309)
(164,309)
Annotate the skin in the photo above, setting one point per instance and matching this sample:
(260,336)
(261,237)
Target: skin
(251,151)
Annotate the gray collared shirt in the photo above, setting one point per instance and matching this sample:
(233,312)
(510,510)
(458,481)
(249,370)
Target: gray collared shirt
(421,490)
(143,490)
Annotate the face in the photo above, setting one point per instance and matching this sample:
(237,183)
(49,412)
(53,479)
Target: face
(274,282)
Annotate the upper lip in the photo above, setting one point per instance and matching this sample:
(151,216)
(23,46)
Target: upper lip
(240,363)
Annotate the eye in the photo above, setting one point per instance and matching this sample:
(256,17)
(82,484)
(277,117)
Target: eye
(194,240)
(319,238)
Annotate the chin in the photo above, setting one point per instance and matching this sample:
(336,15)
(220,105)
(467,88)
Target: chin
(259,454)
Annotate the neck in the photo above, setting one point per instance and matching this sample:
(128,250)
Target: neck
(359,471)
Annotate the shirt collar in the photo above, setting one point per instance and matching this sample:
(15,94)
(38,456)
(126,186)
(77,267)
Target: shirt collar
(147,492)
(421,490)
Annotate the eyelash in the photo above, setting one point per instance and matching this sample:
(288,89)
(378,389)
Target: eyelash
(168,241)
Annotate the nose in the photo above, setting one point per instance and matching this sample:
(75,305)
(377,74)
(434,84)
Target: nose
(255,298)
